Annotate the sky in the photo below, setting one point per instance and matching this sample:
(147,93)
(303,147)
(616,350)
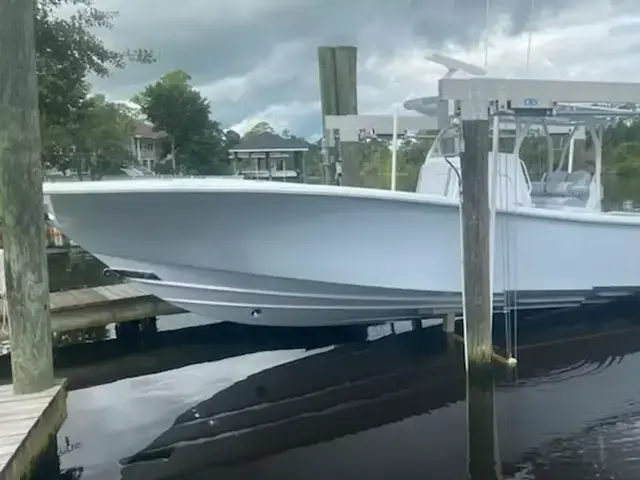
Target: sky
(256,60)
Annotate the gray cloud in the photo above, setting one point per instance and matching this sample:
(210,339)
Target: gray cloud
(246,55)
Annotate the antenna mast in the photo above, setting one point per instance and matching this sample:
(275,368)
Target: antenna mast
(533,4)
(486,33)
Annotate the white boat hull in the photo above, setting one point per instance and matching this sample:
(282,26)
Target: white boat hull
(315,255)
(267,301)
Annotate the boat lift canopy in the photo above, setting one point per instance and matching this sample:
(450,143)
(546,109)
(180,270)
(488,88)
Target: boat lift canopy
(517,106)
(560,105)
(546,101)
(352,127)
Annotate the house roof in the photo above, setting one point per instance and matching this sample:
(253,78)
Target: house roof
(270,142)
(145,130)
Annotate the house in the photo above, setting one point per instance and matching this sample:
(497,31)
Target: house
(268,156)
(146,145)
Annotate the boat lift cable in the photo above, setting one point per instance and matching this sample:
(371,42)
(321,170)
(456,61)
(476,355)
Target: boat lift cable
(510,252)
(461,225)
(462,291)
(504,262)
(4,321)
(514,345)
(511,277)
(487,15)
(530,34)
(436,142)
(494,176)
(506,268)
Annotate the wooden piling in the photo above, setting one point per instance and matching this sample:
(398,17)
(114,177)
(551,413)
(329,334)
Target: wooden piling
(475,234)
(328,102)
(347,94)
(449,322)
(21,178)
(483,453)
(339,96)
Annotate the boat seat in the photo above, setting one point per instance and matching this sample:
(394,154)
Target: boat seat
(561,184)
(548,184)
(557,176)
(559,188)
(556,184)
(580,184)
(537,188)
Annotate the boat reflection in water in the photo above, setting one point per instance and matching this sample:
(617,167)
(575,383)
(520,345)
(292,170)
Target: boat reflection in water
(396,407)
(320,398)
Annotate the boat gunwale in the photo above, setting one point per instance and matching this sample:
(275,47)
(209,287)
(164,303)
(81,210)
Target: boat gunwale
(226,186)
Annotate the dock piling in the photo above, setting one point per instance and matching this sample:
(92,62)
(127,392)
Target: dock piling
(337,68)
(449,322)
(34,407)
(328,103)
(483,454)
(474,164)
(21,175)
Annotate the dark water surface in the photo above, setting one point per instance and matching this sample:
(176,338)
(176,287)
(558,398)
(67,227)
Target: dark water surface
(228,402)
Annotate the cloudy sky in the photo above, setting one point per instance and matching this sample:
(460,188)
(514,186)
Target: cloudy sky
(256,59)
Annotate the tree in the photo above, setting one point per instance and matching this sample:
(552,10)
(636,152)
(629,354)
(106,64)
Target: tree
(205,153)
(259,128)
(231,139)
(102,143)
(173,106)
(375,163)
(314,170)
(625,159)
(96,140)
(68,51)
(411,156)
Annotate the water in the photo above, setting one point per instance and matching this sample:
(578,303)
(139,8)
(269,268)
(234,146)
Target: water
(223,401)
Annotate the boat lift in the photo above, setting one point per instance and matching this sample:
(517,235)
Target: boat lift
(521,106)
(573,107)
(549,103)
(545,102)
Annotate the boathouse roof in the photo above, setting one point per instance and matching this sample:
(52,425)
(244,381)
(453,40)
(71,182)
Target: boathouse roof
(269,142)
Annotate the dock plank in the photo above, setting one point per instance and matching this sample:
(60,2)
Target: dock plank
(120,292)
(28,422)
(100,306)
(111,292)
(92,296)
(88,296)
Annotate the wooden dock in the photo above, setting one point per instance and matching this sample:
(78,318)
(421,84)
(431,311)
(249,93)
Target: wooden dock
(28,424)
(100,306)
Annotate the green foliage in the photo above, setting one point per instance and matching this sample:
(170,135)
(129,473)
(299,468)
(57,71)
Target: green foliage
(533,152)
(625,158)
(262,127)
(195,141)
(68,51)
(205,152)
(376,162)
(103,146)
(231,138)
(174,107)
